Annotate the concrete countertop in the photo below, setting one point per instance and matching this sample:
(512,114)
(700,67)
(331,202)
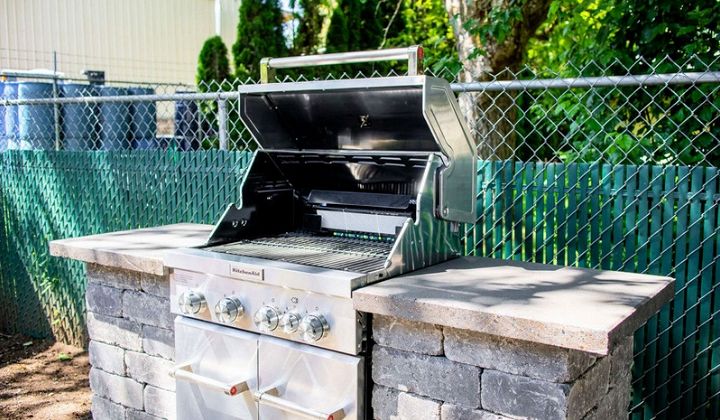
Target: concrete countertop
(138,249)
(573,308)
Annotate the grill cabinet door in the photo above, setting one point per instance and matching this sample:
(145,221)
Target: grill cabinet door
(298,381)
(210,361)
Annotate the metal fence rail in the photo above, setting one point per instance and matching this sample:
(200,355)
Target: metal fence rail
(608,169)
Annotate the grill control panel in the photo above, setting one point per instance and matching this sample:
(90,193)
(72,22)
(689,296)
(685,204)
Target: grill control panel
(319,320)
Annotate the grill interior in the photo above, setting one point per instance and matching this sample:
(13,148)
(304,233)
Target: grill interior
(333,252)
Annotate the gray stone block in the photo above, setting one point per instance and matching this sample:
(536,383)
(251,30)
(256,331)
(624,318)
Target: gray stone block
(116,331)
(155,285)
(103,409)
(521,396)
(139,415)
(384,402)
(587,391)
(430,376)
(158,342)
(413,336)
(614,405)
(107,357)
(114,277)
(104,300)
(411,406)
(150,370)
(159,402)
(518,357)
(147,309)
(117,389)
(456,412)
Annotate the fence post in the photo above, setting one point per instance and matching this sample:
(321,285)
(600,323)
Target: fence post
(56,106)
(222,124)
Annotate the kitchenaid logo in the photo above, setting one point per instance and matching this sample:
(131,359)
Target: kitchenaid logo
(245,272)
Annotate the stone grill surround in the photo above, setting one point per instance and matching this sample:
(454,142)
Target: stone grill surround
(460,340)
(131,347)
(425,371)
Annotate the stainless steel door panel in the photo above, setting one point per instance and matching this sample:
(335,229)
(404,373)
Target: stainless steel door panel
(216,371)
(299,382)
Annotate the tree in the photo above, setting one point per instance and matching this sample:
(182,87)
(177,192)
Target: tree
(259,34)
(492,36)
(213,65)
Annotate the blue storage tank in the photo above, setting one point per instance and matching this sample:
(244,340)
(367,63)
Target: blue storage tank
(3,138)
(114,120)
(143,121)
(78,120)
(11,116)
(36,123)
(186,124)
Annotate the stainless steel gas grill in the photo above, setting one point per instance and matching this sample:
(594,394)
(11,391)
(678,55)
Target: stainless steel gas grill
(356,181)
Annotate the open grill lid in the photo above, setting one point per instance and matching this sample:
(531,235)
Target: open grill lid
(405,114)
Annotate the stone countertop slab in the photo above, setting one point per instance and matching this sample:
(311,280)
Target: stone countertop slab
(575,308)
(138,249)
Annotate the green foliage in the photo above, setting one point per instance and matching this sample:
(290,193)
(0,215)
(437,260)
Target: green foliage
(426,22)
(213,65)
(259,34)
(625,125)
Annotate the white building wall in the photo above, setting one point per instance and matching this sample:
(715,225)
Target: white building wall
(133,40)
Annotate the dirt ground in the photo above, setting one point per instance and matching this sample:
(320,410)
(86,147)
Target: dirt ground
(40,379)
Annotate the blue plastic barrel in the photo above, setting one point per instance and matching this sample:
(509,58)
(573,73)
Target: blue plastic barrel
(11,115)
(3,137)
(143,121)
(78,120)
(36,123)
(186,124)
(114,120)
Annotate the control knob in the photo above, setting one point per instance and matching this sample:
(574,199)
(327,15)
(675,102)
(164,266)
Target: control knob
(266,318)
(289,322)
(229,309)
(191,302)
(313,327)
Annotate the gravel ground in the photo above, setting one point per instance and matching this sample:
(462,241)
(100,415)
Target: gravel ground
(40,379)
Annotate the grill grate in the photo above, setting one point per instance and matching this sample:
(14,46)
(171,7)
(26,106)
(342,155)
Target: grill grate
(333,252)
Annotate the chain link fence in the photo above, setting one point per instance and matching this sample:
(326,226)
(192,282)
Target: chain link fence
(610,167)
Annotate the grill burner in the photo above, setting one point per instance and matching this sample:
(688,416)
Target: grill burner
(333,252)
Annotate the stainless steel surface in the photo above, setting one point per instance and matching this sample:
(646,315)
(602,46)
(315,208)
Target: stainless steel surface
(351,221)
(184,372)
(338,253)
(407,114)
(290,321)
(413,55)
(309,379)
(218,358)
(191,302)
(313,327)
(267,318)
(346,328)
(228,309)
(269,398)
(273,378)
(323,281)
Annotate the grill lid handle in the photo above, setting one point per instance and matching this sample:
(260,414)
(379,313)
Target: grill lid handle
(413,55)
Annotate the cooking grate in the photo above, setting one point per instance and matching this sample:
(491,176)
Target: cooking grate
(338,253)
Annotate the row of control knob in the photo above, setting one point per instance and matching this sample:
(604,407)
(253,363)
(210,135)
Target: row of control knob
(311,327)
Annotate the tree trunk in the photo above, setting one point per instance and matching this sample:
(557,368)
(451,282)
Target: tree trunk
(492,115)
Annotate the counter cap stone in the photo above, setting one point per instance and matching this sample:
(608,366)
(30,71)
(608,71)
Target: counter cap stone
(575,308)
(139,250)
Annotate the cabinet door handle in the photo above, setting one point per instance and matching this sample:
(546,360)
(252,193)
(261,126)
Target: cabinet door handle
(183,372)
(270,398)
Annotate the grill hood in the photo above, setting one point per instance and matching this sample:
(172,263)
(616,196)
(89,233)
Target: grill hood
(394,115)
